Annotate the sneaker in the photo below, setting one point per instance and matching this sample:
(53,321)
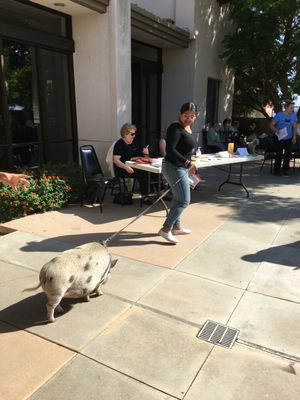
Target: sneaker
(181,231)
(168,236)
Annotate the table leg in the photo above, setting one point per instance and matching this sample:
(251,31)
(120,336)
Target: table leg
(240,181)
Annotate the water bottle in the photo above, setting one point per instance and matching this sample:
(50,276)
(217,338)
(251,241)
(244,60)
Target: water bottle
(198,152)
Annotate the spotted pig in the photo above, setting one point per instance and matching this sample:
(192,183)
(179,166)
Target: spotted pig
(75,273)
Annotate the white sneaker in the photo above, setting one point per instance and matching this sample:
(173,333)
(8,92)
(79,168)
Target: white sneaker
(181,231)
(168,236)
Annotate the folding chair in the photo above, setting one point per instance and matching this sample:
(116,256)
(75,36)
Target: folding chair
(93,175)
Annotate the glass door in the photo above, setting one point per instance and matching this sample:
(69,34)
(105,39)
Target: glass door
(20,86)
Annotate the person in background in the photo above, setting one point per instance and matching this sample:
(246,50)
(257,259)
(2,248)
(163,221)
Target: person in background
(251,138)
(124,150)
(284,120)
(175,169)
(14,180)
(214,137)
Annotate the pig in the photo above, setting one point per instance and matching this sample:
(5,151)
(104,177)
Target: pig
(75,273)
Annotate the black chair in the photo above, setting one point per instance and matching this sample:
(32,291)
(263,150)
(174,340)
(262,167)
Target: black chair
(93,175)
(268,146)
(295,155)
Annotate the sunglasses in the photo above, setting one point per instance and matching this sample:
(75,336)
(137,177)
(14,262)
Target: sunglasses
(132,133)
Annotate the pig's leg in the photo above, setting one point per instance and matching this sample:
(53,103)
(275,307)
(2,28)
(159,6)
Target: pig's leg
(51,305)
(59,308)
(98,290)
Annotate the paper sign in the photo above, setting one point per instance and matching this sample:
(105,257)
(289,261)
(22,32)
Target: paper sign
(223,154)
(282,133)
(242,151)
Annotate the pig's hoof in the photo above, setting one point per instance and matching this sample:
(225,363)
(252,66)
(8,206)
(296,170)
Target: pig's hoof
(99,292)
(51,319)
(87,298)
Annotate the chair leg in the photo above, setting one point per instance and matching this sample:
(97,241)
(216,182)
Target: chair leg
(262,165)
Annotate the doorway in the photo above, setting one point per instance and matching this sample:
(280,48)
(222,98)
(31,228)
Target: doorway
(212,101)
(146,94)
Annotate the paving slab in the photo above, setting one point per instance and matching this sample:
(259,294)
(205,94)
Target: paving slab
(192,298)
(151,348)
(289,233)
(140,241)
(86,379)
(247,374)
(131,279)
(280,278)
(10,272)
(268,322)
(220,258)
(27,362)
(80,322)
(29,250)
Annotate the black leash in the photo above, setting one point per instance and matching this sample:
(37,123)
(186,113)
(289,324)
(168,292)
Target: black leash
(106,241)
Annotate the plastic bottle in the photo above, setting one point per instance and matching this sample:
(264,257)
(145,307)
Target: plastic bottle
(198,152)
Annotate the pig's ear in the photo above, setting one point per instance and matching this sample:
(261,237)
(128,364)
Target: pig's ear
(113,263)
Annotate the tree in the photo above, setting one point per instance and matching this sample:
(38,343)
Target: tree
(264,51)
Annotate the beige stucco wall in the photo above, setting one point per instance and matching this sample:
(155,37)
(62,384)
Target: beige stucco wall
(186,71)
(211,25)
(102,65)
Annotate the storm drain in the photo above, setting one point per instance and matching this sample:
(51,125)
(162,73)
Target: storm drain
(219,334)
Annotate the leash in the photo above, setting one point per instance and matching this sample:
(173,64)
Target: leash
(106,241)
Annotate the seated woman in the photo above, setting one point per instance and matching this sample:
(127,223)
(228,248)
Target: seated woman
(214,137)
(125,150)
(252,140)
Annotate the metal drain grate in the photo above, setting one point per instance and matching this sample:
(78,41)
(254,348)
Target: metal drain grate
(218,334)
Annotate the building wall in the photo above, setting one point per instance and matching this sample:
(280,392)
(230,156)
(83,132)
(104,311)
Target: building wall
(210,26)
(186,71)
(102,63)
(102,66)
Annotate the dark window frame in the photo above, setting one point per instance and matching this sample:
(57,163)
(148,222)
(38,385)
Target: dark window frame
(46,41)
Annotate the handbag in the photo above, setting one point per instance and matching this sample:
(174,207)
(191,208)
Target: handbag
(124,198)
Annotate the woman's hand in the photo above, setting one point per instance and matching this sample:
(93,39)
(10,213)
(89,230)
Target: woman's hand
(128,169)
(145,150)
(193,169)
(14,180)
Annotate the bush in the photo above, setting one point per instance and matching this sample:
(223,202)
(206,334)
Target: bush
(72,174)
(44,193)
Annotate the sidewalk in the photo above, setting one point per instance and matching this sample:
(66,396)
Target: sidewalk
(240,267)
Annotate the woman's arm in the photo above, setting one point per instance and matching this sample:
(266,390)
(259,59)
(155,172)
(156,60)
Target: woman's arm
(118,163)
(14,180)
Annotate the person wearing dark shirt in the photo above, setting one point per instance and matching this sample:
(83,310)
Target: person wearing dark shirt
(175,169)
(125,150)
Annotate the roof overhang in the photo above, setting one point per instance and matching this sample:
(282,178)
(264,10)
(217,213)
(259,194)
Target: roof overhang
(95,5)
(151,29)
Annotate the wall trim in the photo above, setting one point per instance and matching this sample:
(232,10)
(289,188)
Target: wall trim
(95,5)
(157,27)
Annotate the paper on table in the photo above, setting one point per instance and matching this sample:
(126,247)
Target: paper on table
(223,154)
(282,133)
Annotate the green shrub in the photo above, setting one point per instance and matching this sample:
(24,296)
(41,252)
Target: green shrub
(44,193)
(72,174)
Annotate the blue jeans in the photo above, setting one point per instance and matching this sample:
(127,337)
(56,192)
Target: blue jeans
(181,192)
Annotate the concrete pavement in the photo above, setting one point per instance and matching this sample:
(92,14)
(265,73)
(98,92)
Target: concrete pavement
(240,267)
